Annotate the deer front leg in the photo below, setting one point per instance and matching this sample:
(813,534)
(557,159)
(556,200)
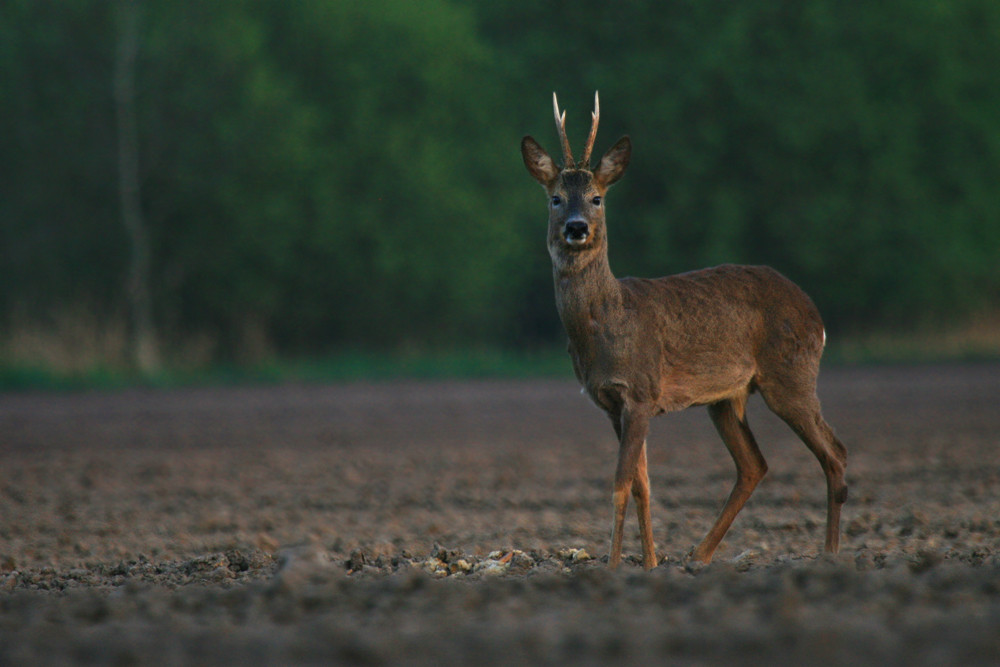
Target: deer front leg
(631,476)
(640,491)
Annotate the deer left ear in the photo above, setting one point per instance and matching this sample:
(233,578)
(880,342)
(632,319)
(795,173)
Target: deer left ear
(538,162)
(614,162)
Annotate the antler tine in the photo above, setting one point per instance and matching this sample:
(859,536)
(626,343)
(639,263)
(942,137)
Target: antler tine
(561,126)
(595,115)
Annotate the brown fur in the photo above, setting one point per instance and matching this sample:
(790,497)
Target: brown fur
(643,347)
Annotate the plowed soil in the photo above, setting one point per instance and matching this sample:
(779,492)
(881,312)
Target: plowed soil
(468,523)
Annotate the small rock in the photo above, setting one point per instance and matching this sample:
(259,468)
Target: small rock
(520,562)
(248,561)
(491,567)
(460,566)
(443,554)
(436,567)
(574,555)
(356,561)
(199,565)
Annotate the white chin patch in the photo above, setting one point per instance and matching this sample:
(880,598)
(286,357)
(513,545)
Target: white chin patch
(577,241)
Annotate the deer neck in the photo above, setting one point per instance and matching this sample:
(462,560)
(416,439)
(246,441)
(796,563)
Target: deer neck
(588,296)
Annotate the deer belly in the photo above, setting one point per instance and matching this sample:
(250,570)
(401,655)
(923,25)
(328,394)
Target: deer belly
(684,389)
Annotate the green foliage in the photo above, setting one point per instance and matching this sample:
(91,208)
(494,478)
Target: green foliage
(344,366)
(855,150)
(322,175)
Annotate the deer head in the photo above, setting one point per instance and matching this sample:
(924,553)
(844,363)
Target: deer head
(576,193)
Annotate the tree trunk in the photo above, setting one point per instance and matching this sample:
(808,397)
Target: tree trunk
(145,348)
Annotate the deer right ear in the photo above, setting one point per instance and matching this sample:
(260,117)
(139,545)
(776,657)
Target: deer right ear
(538,162)
(613,163)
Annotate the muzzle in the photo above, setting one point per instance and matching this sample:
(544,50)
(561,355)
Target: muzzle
(576,231)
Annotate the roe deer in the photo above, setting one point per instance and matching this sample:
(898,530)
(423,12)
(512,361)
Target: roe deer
(712,337)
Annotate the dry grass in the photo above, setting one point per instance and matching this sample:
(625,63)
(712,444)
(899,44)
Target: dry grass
(82,345)
(70,343)
(977,337)
(84,348)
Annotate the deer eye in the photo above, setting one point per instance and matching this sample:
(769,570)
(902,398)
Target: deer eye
(596,201)
(556,200)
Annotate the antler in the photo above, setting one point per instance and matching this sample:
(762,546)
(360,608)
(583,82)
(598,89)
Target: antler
(595,115)
(561,126)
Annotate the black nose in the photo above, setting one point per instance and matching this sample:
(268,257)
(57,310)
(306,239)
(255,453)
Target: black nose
(576,230)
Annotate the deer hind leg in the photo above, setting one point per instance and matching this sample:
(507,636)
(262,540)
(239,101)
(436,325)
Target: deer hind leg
(804,417)
(729,417)
(631,476)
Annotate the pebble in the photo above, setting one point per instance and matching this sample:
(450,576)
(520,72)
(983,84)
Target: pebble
(460,566)
(574,555)
(491,567)
(436,567)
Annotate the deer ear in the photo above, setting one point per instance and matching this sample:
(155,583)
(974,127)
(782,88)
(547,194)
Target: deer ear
(613,163)
(538,162)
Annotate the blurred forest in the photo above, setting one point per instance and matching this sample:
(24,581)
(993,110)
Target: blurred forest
(232,180)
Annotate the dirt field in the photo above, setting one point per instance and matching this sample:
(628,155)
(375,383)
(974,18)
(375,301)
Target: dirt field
(466,523)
